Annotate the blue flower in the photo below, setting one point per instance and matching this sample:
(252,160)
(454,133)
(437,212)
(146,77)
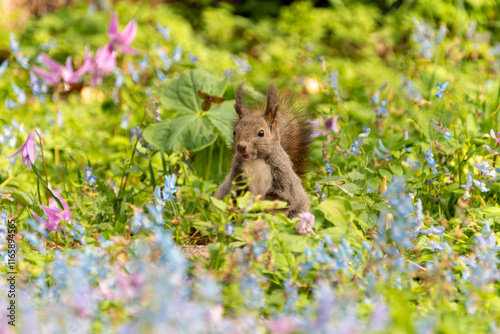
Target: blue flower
(329,169)
(90,178)
(8,136)
(20,94)
(124,121)
(366,132)
(156,212)
(164,32)
(382,108)
(242,64)
(412,91)
(140,221)
(177,55)
(481,185)
(429,156)
(161,75)
(467,186)
(13,43)
(119,78)
(229,228)
(10,104)
(334,81)
(192,58)
(438,231)
(441,89)
(166,61)
(387,155)
(441,34)
(4,66)
(170,188)
(355,147)
(133,72)
(22,60)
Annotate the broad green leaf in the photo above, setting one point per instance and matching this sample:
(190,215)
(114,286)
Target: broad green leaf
(337,210)
(397,170)
(190,131)
(223,117)
(181,94)
(294,242)
(192,128)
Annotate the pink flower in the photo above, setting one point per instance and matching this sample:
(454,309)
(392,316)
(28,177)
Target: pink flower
(122,41)
(306,223)
(496,137)
(55,214)
(27,150)
(103,63)
(59,73)
(284,325)
(331,124)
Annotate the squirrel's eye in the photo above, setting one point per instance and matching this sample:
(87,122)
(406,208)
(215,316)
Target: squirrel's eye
(261,133)
(234,133)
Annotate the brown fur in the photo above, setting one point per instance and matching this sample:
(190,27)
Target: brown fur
(284,148)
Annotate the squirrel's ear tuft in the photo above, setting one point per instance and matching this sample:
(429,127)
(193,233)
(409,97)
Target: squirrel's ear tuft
(272,105)
(239,106)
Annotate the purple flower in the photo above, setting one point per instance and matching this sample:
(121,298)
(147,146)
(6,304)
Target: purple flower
(104,62)
(496,137)
(122,41)
(59,73)
(306,223)
(27,150)
(283,325)
(55,214)
(330,124)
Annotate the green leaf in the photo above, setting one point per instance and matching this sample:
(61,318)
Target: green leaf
(181,94)
(337,210)
(367,220)
(294,242)
(192,128)
(333,179)
(397,170)
(386,173)
(46,187)
(356,176)
(223,117)
(190,131)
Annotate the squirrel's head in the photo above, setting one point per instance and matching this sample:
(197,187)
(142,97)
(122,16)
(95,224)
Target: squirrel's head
(256,134)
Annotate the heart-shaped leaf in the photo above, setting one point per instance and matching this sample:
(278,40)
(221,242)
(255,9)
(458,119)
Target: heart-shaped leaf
(181,94)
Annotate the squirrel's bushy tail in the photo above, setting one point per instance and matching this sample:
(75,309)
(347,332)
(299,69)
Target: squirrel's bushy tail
(295,133)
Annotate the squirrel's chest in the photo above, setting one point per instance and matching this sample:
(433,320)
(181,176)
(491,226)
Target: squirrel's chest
(260,177)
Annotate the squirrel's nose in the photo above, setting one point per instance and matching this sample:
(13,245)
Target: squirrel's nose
(241,148)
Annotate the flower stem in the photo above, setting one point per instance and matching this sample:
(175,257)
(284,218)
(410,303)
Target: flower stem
(56,129)
(44,165)
(123,183)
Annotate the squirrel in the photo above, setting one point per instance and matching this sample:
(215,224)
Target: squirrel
(271,148)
